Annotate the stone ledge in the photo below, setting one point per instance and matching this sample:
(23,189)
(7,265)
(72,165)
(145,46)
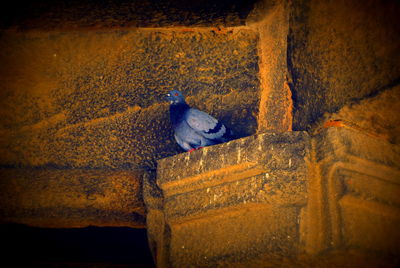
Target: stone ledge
(281,195)
(263,167)
(236,187)
(71,198)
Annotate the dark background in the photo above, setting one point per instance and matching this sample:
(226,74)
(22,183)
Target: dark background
(74,247)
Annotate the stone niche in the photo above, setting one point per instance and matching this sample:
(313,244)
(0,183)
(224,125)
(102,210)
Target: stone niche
(83,108)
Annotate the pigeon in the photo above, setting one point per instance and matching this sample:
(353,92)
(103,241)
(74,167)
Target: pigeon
(193,128)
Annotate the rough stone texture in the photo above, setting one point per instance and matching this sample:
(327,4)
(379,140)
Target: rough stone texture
(81,108)
(71,198)
(275,111)
(61,14)
(354,191)
(85,99)
(379,115)
(96,99)
(281,200)
(253,190)
(340,51)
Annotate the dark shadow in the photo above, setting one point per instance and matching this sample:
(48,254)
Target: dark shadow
(75,247)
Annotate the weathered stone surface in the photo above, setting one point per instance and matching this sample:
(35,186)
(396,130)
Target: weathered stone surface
(280,199)
(275,111)
(97,99)
(238,199)
(155,221)
(60,14)
(340,51)
(354,193)
(71,198)
(378,115)
(92,100)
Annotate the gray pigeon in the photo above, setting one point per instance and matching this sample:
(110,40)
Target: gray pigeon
(193,128)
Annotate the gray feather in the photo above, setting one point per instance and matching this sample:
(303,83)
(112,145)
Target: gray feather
(193,128)
(204,124)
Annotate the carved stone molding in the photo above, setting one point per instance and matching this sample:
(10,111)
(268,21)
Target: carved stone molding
(231,202)
(269,197)
(354,192)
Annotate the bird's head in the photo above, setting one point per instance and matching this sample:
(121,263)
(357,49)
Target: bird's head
(175,96)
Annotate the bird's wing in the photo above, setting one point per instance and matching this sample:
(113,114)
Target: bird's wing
(204,124)
(184,145)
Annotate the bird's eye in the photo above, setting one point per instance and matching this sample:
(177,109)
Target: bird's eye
(176,94)
(168,95)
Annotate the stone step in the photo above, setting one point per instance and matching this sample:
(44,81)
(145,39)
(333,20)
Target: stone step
(67,198)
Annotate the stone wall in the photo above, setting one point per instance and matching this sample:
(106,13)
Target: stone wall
(331,203)
(76,101)
(97,99)
(83,120)
(340,52)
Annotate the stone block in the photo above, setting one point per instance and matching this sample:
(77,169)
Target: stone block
(287,199)
(97,99)
(276,102)
(354,193)
(370,225)
(240,232)
(238,199)
(378,115)
(340,52)
(51,198)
